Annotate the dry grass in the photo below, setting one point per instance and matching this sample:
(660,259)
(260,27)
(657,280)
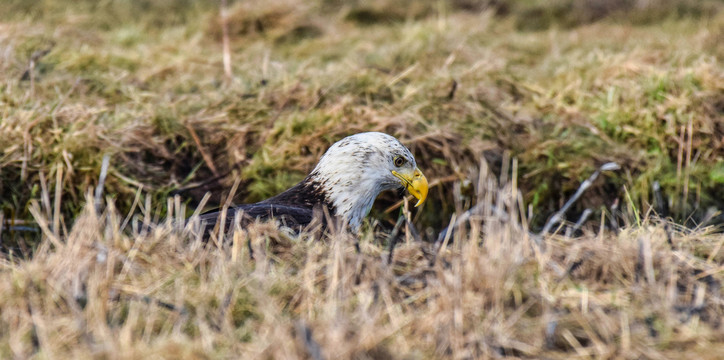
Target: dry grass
(540,93)
(104,290)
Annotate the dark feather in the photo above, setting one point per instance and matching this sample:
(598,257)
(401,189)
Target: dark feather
(294,208)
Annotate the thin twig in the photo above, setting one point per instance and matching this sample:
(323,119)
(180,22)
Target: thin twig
(225,40)
(413,231)
(687,165)
(136,200)
(572,230)
(443,238)
(45,194)
(613,220)
(43,223)
(101,182)
(225,209)
(662,206)
(558,216)
(645,260)
(29,74)
(392,238)
(453,88)
(223,309)
(204,154)
(305,334)
(251,248)
(56,200)
(22,228)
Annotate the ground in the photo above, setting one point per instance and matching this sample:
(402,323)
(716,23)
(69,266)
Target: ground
(509,105)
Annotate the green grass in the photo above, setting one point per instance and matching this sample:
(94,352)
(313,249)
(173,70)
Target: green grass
(561,87)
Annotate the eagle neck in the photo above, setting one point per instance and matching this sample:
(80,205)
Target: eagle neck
(349,199)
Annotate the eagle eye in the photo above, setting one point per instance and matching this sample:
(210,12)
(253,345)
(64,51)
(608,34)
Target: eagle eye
(399,161)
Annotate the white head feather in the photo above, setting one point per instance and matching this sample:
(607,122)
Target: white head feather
(356,169)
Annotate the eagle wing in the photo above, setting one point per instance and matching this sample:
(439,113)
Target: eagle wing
(295,217)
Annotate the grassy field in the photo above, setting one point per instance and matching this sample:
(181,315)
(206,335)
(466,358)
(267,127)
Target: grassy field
(509,105)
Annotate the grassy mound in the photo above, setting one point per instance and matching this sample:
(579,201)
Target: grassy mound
(456,82)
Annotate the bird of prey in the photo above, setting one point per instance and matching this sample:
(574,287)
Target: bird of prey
(344,184)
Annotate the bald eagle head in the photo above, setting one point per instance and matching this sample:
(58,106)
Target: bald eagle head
(346,181)
(357,168)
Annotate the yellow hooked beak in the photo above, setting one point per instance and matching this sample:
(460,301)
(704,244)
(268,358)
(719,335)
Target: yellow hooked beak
(415,183)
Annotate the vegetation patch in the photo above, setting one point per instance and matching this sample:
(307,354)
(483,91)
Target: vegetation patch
(513,104)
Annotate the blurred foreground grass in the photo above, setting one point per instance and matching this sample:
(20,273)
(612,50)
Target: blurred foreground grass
(107,289)
(556,88)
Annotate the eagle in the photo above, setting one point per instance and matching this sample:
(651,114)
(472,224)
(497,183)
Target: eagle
(344,184)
